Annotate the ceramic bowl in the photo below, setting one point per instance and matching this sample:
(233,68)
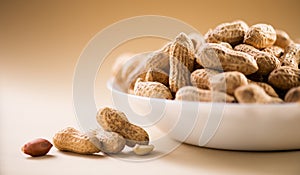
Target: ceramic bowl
(253,127)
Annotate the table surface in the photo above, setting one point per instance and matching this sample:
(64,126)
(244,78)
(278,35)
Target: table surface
(40,43)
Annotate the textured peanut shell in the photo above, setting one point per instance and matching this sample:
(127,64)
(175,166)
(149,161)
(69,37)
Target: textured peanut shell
(293,95)
(291,56)
(285,78)
(152,90)
(216,56)
(266,62)
(110,120)
(274,50)
(107,142)
(157,75)
(252,93)
(70,139)
(232,33)
(156,60)
(247,49)
(181,62)
(191,93)
(138,74)
(159,59)
(228,81)
(282,39)
(260,36)
(201,78)
(268,89)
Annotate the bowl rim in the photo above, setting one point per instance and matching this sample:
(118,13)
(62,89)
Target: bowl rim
(111,84)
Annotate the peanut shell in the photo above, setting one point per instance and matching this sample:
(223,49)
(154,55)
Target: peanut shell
(70,139)
(152,90)
(181,62)
(260,36)
(191,93)
(216,56)
(252,93)
(266,62)
(282,39)
(285,78)
(110,120)
(293,95)
(232,33)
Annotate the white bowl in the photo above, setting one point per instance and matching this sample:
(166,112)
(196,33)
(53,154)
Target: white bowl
(252,127)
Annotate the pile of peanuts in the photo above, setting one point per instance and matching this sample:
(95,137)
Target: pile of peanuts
(233,63)
(114,133)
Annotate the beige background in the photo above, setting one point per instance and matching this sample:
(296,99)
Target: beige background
(40,43)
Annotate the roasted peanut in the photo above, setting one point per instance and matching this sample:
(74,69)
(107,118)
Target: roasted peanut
(216,56)
(159,59)
(232,33)
(107,142)
(268,89)
(201,78)
(265,61)
(181,62)
(260,36)
(224,82)
(70,139)
(152,90)
(130,90)
(228,81)
(274,50)
(285,78)
(291,56)
(110,120)
(191,93)
(157,75)
(252,93)
(259,53)
(156,60)
(37,147)
(282,39)
(293,95)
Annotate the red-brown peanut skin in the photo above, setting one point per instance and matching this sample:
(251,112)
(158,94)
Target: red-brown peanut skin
(37,147)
